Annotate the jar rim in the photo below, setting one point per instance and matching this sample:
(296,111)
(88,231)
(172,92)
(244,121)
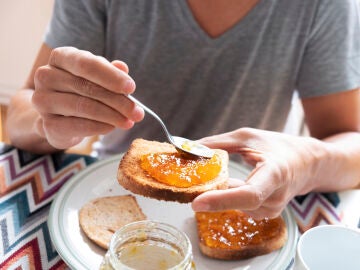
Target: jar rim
(154,224)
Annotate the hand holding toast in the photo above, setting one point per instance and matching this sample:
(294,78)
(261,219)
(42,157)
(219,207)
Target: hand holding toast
(284,166)
(81,94)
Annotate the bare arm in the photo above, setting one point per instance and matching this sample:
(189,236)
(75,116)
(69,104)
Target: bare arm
(335,119)
(22,117)
(70,94)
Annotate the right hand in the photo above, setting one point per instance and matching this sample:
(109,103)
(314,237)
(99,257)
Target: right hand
(79,94)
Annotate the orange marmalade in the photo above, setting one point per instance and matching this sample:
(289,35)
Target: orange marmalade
(178,170)
(232,229)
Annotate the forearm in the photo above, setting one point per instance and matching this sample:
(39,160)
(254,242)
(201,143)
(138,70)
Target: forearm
(339,169)
(21,124)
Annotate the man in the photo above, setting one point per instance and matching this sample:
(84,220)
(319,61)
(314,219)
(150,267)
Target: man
(207,67)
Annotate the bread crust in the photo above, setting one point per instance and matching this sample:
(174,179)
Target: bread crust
(132,177)
(246,252)
(101,217)
(267,245)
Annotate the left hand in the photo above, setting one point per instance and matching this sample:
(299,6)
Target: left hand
(284,166)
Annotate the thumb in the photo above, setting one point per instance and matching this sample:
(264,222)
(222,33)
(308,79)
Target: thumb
(247,196)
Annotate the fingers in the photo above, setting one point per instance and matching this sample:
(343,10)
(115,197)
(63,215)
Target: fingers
(93,68)
(121,65)
(233,182)
(246,197)
(76,129)
(262,195)
(279,172)
(232,141)
(81,107)
(81,94)
(265,212)
(88,94)
(226,141)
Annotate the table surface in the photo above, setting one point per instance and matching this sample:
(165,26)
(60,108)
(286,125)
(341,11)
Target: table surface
(28,184)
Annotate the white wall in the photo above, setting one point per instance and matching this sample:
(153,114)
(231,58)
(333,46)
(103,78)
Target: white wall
(22,26)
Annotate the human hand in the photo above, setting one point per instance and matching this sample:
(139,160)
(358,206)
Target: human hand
(284,166)
(79,94)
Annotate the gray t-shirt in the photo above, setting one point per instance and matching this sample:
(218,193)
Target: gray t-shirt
(202,86)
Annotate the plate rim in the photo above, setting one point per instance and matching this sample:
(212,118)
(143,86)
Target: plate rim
(71,260)
(58,204)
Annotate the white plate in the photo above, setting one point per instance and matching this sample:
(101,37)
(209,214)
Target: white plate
(99,179)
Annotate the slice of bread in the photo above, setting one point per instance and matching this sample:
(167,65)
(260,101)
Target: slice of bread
(132,177)
(101,217)
(232,235)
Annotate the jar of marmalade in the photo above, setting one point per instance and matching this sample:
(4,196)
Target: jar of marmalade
(149,245)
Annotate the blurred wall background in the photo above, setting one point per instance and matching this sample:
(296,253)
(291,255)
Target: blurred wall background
(22,26)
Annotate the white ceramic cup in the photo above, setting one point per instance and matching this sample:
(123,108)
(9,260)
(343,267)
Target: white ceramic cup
(328,247)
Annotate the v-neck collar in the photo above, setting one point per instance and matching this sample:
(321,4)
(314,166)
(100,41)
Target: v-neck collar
(197,30)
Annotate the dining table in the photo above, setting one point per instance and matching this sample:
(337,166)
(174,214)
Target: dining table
(29,183)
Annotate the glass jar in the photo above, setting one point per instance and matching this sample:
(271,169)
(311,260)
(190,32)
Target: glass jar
(149,245)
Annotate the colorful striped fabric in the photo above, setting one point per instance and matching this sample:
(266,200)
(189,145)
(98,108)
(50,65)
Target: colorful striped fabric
(28,184)
(315,209)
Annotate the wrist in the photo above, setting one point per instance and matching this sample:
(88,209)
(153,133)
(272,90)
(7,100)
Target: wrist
(335,167)
(322,160)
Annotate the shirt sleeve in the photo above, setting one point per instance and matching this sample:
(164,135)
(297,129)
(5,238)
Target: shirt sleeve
(331,61)
(79,23)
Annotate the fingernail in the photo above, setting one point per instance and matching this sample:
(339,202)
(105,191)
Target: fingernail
(138,114)
(201,207)
(129,86)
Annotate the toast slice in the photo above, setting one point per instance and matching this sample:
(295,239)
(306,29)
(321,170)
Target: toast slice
(101,217)
(233,235)
(132,177)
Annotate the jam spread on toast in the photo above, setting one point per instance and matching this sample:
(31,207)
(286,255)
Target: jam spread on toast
(178,170)
(232,229)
